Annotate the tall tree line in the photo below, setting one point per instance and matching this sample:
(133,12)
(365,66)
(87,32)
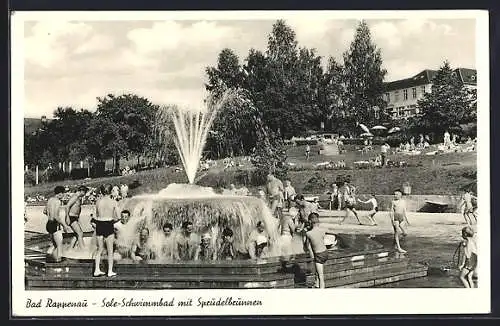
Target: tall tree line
(294,92)
(120,126)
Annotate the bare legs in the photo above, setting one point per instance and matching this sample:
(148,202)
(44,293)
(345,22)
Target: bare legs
(371,217)
(398,230)
(75,226)
(466,277)
(56,252)
(347,214)
(109,246)
(100,247)
(320,277)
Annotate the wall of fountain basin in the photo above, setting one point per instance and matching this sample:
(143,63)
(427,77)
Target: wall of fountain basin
(357,262)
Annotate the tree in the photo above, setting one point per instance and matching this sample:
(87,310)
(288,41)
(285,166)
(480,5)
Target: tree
(121,126)
(227,74)
(332,94)
(363,78)
(448,106)
(59,139)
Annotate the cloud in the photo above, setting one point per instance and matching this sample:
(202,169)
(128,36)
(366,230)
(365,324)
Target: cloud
(48,43)
(72,63)
(393,35)
(171,35)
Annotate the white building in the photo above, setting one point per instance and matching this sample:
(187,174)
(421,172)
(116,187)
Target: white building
(402,95)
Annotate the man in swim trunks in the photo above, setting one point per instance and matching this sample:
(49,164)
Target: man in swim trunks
(398,218)
(275,192)
(73,210)
(56,223)
(106,215)
(315,243)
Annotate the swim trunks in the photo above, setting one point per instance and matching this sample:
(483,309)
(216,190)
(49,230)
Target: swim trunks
(471,263)
(398,217)
(321,257)
(53,226)
(73,219)
(104,228)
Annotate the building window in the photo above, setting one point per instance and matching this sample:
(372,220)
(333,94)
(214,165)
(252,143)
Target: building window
(405,94)
(423,89)
(414,92)
(396,96)
(388,97)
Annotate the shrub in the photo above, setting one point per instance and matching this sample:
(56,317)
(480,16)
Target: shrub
(316,183)
(29,178)
(79,173)
(56,175)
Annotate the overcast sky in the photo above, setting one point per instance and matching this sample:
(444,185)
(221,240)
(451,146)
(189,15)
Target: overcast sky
(72,63)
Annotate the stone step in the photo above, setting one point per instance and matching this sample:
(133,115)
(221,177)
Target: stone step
(355,267)
(166,281)
(370,279)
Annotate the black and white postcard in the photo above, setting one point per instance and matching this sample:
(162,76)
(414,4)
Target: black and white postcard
(250,163)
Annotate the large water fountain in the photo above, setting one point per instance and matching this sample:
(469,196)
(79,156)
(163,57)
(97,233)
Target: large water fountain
(210,213)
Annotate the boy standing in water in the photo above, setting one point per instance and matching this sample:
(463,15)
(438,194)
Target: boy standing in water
(469,258)
(315,243)
(398,218)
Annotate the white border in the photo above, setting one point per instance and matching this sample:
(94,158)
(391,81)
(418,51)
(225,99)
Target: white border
(275,302)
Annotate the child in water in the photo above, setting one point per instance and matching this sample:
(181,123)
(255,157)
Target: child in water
(226,251)
(469,258)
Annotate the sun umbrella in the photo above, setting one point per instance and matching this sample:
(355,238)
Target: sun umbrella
(379,128)
(365,128)
(367,134)
(394,129)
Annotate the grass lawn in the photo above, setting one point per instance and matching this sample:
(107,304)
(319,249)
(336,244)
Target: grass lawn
(441,174)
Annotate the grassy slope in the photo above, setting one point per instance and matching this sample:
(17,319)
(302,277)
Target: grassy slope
(432,177)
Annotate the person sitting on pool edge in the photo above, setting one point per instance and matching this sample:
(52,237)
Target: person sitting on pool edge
(167,249)
(141,250)
(186,242)
(258,242)
(205,250)
(121,251)
(226,251)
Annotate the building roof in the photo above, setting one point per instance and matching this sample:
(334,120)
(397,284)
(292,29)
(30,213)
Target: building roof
(467,76)
(422,78)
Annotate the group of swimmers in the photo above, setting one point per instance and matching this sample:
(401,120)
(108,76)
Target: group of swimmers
(187,245)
